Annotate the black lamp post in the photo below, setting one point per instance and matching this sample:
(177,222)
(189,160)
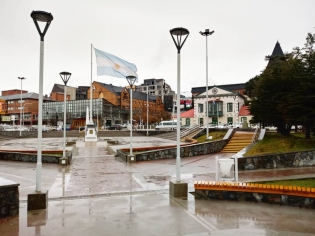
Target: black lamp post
(207,33)
(65,76)
(179,36)
(45,17)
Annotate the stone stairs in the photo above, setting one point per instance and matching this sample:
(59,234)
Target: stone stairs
(190,135)
(171,135)
(239,141)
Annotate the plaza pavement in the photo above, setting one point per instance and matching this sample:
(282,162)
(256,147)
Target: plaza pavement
(101,195)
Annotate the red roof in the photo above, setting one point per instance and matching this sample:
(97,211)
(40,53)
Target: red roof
(187,101)
(244,111)
(186,114)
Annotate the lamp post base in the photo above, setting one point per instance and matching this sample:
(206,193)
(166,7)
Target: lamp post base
(37,200)
(131,159)
(64,161)
(178,189)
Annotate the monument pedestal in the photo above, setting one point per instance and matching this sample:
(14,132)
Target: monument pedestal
(37,200)
(178,189)
(90,135)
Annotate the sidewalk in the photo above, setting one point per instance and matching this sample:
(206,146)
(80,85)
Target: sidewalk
(101,195)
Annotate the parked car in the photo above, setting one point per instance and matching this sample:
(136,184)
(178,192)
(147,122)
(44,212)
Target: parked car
(67,128)
(271,128)
(166,125)
(210,126)
(115,127)
(299,127)
(236,125)
(23,128)
(223,126)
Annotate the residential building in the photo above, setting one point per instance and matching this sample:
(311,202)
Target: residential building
(156,87)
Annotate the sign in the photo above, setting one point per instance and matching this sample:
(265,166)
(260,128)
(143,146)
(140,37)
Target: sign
(5,118)
(13,117)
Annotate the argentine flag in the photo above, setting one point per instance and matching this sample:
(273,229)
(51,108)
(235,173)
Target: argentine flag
(108,64)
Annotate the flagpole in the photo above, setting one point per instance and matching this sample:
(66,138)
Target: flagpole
(91,118)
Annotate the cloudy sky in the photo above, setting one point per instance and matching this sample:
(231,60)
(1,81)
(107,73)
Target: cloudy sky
(138,31)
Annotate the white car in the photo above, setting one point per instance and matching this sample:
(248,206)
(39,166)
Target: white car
(223,126)
(210,126)
(23,128)
(271,128)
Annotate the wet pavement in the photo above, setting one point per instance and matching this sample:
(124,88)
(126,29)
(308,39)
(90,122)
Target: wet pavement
(101,195)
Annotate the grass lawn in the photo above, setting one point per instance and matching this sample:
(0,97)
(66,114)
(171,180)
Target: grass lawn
(276,143)
(293,182)
(216,135)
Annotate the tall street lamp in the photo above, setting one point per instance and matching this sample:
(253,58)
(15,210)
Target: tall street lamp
(65,76)
(21,107)
(131,80)
(45,17)
(147,110)
(179,36)
(207,33)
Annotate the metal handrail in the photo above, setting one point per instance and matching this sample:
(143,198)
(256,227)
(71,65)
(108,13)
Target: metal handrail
(255,136)
(189,130)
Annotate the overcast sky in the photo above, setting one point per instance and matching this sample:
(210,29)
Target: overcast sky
(138,32)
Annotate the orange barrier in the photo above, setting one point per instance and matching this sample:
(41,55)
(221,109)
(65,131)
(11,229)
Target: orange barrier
(255,188)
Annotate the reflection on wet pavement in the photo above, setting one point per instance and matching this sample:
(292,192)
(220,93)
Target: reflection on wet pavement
(101,195)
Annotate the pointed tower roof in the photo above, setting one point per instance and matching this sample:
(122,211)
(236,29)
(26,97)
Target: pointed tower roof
(277,51)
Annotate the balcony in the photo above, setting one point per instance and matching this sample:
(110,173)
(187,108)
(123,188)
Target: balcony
(215,113)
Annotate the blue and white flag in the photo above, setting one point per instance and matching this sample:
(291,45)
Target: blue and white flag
(108,64)
(213,102)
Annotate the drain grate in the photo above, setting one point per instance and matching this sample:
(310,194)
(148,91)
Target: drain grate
(102,195)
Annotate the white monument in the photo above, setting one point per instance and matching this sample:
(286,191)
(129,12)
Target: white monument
(90,131)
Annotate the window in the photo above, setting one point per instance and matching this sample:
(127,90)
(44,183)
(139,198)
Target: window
(229,107)
(187,121)
(200,121)
(200,108)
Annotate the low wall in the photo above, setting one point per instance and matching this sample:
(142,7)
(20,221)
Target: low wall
(32,157)
(272,161)
(17,133)
(302,197)
(186,151)
(9,199)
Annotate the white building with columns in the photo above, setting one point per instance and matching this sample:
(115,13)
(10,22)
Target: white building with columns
(223,106)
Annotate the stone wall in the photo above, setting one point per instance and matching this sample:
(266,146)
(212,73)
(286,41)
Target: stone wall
(186,151)
(280,199)
(17,133)
(9,198)
(272,161)
(32,157)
